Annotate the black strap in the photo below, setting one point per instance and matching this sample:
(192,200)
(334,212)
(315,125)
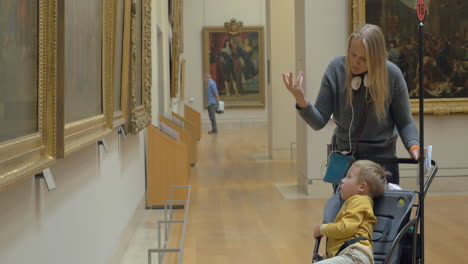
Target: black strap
(361,127)
(348,243)
(393,160)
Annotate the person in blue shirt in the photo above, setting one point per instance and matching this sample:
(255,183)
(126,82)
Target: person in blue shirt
(212,99)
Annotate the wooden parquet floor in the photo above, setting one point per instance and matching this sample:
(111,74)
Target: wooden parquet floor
(237,215)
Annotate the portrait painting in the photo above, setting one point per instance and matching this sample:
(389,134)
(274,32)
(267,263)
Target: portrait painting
(236,64)
(445,49)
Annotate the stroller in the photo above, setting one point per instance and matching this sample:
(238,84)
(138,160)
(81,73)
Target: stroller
(395,234)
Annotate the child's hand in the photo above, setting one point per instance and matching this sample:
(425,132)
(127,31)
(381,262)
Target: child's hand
(317,232)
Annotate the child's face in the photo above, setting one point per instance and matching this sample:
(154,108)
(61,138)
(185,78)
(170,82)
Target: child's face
(349,184)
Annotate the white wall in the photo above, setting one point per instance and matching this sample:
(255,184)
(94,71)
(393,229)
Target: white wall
(281,111)
(87,217)
(159,18)
(316,46)
(81,221)
(201,13)
(448,137)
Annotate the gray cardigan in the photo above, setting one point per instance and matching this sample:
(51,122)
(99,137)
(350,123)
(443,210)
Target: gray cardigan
(378,138)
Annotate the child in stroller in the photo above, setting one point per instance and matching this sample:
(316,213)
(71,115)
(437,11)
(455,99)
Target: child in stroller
(350,235)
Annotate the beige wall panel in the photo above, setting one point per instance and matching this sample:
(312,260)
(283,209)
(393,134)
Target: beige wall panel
(320,45)
(192,131)
(282,123)
(195,118)
(185,137)
(96,195)
(167,166)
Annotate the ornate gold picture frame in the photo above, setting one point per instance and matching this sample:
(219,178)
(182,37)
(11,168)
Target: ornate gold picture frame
(120,71)
(182,79)
(177,44)
(86,43)
(139,61)
(28,154)
(234,56)
(445,63)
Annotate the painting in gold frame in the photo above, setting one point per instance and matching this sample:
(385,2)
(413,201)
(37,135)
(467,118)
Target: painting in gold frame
(234,56)
(139,61)
(86,54)
(445,63)
(175,67)
(120,38)
(176,19)
(180,25)
(182,80)
(29,153)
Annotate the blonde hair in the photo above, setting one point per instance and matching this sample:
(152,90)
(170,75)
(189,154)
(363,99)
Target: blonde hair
(374,175)
(377,77)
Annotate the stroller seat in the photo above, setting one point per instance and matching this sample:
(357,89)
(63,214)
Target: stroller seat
(392,211)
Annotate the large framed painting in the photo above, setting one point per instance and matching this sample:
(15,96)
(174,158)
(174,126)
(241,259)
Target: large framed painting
(86,68)
(234,56)
(28,64)
(445,82)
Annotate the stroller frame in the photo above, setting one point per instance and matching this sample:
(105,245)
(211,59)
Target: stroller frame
(408,232)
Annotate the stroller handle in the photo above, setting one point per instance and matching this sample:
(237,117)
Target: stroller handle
(411,161)
(395,160)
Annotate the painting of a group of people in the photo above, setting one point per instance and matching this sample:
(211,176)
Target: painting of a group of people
(445,61)
(235,64)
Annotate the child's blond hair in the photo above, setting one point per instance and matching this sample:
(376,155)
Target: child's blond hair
(374,175)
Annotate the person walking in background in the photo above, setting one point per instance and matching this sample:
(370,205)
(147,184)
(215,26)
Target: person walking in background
(212,99)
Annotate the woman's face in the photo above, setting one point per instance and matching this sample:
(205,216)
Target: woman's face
(357,56)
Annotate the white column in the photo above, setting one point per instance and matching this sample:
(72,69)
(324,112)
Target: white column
(281,57)
(322,29)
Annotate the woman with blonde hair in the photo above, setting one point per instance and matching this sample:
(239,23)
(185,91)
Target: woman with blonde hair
(368,98)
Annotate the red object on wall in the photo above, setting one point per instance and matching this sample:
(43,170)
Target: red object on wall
(420,10)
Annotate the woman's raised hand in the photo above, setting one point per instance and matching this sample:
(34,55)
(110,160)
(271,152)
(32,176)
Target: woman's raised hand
(295,88)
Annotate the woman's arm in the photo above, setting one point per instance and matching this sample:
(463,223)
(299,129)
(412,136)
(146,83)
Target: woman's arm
(401,113)
(318,115)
